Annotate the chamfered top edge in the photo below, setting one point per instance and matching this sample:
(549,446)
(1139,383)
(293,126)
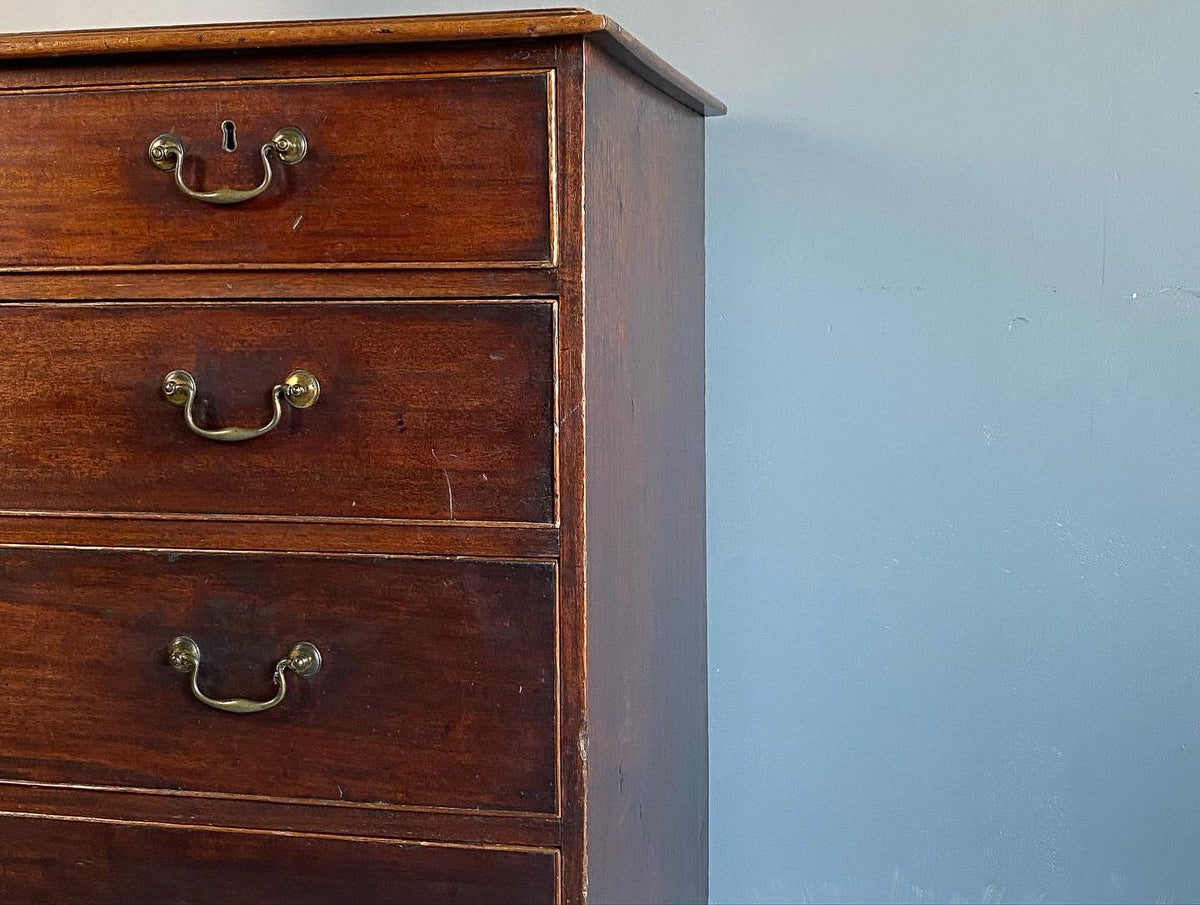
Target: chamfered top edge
(518,24)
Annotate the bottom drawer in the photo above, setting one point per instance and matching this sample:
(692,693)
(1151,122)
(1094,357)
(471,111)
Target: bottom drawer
(66,861)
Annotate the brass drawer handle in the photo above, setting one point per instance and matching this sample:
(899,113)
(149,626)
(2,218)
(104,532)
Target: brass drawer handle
(301,390)
(304,660)
(166,153)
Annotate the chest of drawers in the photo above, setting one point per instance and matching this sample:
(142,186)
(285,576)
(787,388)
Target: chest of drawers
(352,485)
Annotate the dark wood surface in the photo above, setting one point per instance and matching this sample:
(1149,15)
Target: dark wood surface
(400,170)
(609,532)
(437,690)
(438,412)
(283,535)
(326,284)
(572,575)
(299,281)
(92,863)
(647,777)
(281,815)
(200,67)
(365,32)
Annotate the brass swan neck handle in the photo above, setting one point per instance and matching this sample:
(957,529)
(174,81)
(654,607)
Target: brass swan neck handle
(167,151)
(300,390)
(304,660)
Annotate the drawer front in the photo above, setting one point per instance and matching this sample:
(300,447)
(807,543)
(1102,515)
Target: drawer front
(400,171)
(437,686)
(77,863)
(439,412)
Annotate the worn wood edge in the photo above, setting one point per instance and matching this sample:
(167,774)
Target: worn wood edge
(234,266)
(221,287)
(251,36)
(270,518)
(453,541)
(488,813)
(243,552)
(636,56)
(571,401)
(119,804)
(253,831)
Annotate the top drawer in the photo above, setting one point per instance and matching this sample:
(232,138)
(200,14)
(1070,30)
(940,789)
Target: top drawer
(400,171)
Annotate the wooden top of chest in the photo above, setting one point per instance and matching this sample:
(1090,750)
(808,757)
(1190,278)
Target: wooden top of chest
(524,24)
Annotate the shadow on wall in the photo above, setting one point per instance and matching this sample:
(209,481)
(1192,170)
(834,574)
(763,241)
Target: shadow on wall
(952,587)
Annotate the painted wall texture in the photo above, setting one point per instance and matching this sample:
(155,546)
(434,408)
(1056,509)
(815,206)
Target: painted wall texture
(954,433)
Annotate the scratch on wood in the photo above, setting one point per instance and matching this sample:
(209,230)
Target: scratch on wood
(446,475)
(583,764)
(567,414)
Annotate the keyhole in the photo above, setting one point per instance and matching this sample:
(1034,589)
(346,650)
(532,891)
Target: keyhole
(229,135)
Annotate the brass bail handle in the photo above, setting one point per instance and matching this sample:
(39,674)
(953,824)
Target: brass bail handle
(304,660)
(166,153)
(300,390)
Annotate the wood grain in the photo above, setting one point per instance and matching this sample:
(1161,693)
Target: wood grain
(94,863)
(282,535)
(326,284)
(584,548)
(427,411)
(201,67)
(438,687)
(358,32)
(647,728)
(573,487)
(281,815)
(400,171)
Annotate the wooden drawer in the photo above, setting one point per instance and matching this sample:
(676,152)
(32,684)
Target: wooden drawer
(436,411)
(437,689)
(92,863)
(400,171)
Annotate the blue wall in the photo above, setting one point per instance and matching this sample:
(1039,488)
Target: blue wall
(954,366)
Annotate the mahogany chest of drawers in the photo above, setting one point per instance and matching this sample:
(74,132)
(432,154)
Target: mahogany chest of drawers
(352,465)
